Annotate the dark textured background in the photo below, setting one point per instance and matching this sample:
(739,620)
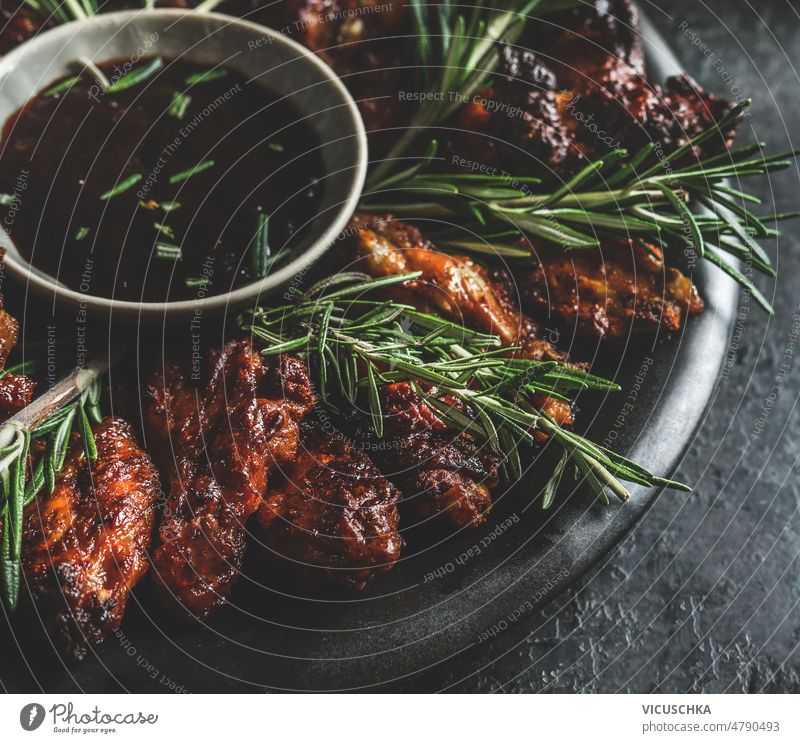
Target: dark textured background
(703,595)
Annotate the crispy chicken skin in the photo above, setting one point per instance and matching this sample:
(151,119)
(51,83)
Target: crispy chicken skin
(85,544)
(620,290)
(452,286)
(218,443)
(441,473)
(331,513)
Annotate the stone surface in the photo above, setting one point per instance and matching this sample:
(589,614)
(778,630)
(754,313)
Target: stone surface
(703,595)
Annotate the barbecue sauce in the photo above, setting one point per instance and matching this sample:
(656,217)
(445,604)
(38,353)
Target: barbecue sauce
(173,183)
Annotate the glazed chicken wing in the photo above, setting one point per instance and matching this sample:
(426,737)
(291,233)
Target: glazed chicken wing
(608,293)
(85,544)
(452,286)
(611,293)
(597,55)
(331,513)
(219,442)
(441,472)
(574,88)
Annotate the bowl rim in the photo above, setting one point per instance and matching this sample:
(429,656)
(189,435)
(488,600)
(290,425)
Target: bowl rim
(41,283)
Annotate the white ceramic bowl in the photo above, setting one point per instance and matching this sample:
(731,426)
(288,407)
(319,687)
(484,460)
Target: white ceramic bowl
(284,66)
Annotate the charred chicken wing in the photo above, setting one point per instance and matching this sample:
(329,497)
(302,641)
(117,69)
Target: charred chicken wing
(573,88)
(86,543)
(331,513)
(440,472)
(452,286)
(219,442)
(610,293)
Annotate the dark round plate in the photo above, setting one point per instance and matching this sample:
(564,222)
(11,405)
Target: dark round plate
(451,592)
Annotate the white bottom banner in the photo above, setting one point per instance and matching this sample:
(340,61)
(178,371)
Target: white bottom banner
(398,719)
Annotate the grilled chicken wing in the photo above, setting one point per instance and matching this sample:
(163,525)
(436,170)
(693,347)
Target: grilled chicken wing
(610,293)
(440,472)
(219,442)
(85,544)
(331,513)
(606,293)
(574,88)
(597,55)
(452,286)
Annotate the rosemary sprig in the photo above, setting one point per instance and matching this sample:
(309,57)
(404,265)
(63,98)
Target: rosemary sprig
(616,198)
(53,418)
(357,344)
(456,56)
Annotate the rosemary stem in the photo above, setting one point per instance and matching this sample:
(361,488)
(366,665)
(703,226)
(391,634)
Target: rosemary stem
(62,393)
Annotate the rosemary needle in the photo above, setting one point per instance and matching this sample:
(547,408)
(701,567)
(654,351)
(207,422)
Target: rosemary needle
(122,186)
(259,248)
(168,251)
(165,229)
(61,87)
(189,172)
(180,102)
(205,76)
(196,282)
(136,76)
